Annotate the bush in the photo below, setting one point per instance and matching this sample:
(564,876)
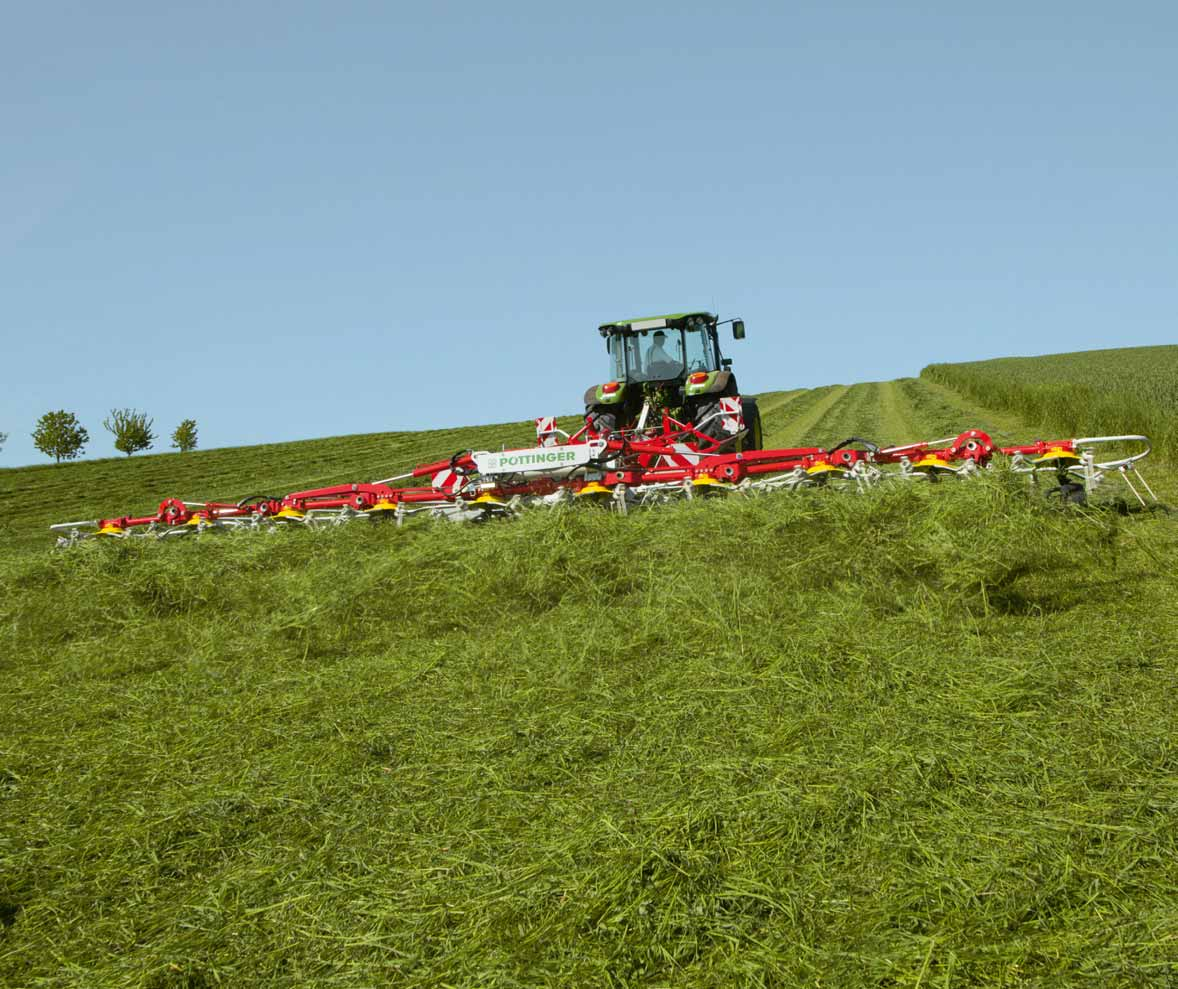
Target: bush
(184,438)
(132,430)
(60,435)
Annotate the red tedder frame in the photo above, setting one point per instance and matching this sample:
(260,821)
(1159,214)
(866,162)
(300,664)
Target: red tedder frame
(676,452)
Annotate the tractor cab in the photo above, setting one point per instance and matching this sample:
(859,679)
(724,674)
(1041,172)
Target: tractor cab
(673,362)
(665,349)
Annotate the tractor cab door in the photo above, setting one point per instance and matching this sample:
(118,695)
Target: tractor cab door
(702,354)
(625,358)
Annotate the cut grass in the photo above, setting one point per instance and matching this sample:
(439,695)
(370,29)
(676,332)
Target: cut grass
(921,737)
(838,746)
(941,411)
(898,421)
(792,422)
(855,412)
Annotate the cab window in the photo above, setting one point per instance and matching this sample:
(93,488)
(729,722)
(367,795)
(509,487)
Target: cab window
(701,354)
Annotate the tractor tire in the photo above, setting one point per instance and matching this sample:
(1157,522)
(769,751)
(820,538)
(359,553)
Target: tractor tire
(752,422)
(709,409)
(753,438)
(601,420)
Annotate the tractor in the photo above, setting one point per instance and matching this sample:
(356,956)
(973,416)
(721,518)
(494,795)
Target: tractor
(671,363)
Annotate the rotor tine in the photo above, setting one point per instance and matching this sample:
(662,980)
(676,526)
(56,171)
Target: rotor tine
(1141,478)
(1129,484)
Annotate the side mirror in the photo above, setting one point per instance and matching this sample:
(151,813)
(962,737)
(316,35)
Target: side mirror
(726,363)
(738,329)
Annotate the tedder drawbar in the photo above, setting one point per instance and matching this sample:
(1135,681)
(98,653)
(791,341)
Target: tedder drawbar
(671,423)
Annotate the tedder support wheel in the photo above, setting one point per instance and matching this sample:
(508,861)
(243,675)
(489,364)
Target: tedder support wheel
(753,439)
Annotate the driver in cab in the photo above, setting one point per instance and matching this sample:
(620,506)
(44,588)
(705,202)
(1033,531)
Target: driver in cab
(658,361)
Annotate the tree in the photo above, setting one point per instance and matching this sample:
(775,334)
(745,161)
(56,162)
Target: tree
(132,430)
(184,438)
(60,435)
(3,440)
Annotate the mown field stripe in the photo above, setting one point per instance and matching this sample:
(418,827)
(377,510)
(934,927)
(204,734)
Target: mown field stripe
(771,402)
(817,402)
(941,407)
(854,415)
(898,421)
(792,407)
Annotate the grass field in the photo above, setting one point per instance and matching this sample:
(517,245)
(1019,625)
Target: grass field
(923,737)
(32,498)
(1131,390)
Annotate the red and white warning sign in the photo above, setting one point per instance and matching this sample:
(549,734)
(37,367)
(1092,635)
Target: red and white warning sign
(684,456)
(546,431)
(732,414)
(448,482)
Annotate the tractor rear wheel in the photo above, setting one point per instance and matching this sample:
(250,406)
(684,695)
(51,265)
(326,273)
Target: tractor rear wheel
(708,418)
(753,440)
(601,419)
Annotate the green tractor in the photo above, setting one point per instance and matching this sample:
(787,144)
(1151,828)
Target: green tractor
(673,364)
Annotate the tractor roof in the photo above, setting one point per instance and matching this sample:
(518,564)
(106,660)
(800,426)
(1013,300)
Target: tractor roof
(672,320)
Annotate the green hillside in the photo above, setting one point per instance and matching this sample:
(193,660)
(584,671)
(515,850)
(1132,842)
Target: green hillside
(32,498)
(921,737)
(1130,390)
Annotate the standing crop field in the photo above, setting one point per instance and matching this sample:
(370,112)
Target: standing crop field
(1127,390)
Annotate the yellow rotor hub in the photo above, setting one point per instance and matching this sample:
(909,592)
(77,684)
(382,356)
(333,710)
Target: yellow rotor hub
(383,506)
(486,498)
(705,480)
(593,488)
(824,468)
(111,530)
(1057,454)
(289,513)
(929,465)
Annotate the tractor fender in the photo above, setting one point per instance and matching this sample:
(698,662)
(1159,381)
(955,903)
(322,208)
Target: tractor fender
(718,383)
(594,395)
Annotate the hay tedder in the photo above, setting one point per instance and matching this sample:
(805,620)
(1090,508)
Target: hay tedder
(671,424)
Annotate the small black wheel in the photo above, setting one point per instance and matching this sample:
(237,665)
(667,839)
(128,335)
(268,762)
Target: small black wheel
(1070,492)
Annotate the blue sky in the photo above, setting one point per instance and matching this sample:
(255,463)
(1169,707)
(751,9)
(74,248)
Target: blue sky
(293,220)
